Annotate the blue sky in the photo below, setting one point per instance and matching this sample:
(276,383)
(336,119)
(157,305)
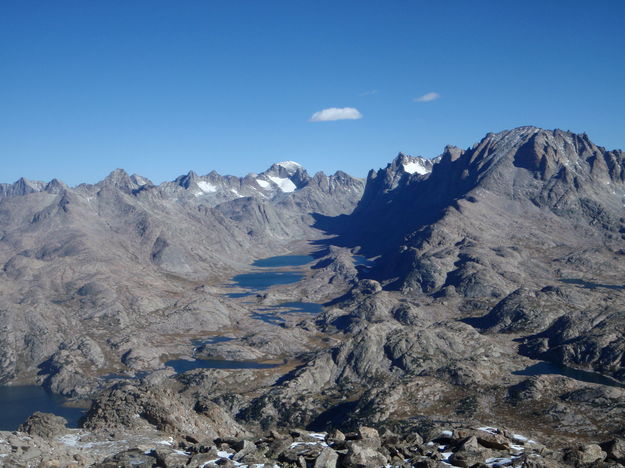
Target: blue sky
(163,87)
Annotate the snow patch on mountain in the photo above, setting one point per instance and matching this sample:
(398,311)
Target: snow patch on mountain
(415,167)
(263,183)
(206,187)
(284,184)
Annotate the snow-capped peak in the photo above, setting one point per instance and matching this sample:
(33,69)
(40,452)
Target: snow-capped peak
(413,164)
(290,165)
(415,167)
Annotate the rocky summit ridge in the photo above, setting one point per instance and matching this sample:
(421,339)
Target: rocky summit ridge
(469,312)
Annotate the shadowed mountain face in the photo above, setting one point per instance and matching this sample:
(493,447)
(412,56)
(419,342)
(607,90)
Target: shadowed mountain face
(525,208)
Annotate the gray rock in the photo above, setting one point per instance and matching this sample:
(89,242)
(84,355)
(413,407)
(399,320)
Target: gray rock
(585,455)
(44,425)
(326,459)
(615,450)
(360,454)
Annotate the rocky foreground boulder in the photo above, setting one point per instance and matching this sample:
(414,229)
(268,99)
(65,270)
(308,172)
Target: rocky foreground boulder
(481,447)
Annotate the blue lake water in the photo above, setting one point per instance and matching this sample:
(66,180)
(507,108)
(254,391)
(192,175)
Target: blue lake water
(283,261)
(300,307)
(184,365)
(548,368)
(268,317)
(265,279)
(18,403)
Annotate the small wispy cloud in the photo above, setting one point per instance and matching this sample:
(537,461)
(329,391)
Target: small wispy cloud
(336,113)
(369,92)
(429,97)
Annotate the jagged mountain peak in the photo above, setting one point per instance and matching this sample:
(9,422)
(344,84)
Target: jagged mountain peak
(402,169)
(450,153)
(561,156)
(141,181)
(120,179)
(290,166)
(55,186)
(187,179)
(117,174)
(412,164)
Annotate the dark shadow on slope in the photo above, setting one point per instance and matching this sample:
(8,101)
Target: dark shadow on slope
(390,216)
(481,323)
(334,417)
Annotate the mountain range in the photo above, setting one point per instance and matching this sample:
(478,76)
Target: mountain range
(492,294)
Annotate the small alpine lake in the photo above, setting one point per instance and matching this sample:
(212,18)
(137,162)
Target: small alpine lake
(549,368)
(262,280)
(17,403)
(281,261)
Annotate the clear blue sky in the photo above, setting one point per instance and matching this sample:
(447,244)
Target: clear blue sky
(163,87)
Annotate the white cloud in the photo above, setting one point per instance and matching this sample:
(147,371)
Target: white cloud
(370,92)
(336,113)
(427,97)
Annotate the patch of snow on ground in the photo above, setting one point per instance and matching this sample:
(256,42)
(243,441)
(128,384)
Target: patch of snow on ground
(284,184)
(499,461)
(415,167)
(169,441)
(519,438)
(318,435)
(71,440)
(447,433)
(206,187)
(298,444)
(491,430)
(263,183)
(236,193)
